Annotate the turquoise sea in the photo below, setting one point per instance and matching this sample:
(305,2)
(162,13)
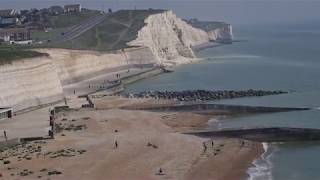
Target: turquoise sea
(273,57)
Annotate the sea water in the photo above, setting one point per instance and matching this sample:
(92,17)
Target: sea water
(274,57)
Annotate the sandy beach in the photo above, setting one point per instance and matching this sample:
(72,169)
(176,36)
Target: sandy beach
(110,143)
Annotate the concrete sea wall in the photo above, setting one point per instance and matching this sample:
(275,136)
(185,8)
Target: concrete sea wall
(34,82)
(29,82)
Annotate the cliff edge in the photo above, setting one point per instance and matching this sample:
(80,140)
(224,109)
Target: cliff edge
(171,39)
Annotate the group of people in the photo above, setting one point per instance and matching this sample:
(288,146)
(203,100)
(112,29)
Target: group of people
(205,147)
(51,123)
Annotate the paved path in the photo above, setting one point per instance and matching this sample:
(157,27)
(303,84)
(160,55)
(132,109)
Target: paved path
(99,82)
(79,29)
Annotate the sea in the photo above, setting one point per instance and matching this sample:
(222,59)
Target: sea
(269,57)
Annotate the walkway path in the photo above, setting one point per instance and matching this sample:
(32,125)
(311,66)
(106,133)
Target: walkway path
(79,29)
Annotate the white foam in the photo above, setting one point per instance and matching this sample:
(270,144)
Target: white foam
(261,169)
(241,56)
(215,123)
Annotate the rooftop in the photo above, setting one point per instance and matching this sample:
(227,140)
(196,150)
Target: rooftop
(8,12)
(4,109)
(72,6)
(12,30)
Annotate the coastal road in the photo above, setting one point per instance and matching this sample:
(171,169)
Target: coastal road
(79,29)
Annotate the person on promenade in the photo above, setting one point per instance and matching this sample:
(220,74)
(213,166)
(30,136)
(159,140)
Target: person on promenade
(5,135)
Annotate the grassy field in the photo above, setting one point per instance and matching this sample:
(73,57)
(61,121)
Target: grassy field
(44,36)
(9,53)
(113,33)
(61,23)
(67,20)
(207,25)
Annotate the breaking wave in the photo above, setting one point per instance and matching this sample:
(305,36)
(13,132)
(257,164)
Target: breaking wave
(261,169)
(235,57)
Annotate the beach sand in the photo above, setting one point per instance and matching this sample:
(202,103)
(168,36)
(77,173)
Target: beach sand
(147,141)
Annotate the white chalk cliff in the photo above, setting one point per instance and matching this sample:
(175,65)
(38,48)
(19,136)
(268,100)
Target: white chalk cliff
(170,38)
(223,34)
(37,81)
(164,40)
(28,83)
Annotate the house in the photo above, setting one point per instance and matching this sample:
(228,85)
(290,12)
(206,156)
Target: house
(72,8)
(15,34)
(56,10)
(9,13)
(5,113)
(8,21)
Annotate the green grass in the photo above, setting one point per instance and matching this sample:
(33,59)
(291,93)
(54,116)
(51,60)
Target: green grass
(113,33)
(208,25)
(10,53)
(61,23)
(67,20)
(44,36)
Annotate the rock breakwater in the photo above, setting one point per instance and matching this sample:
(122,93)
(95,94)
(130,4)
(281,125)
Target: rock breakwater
(202,95)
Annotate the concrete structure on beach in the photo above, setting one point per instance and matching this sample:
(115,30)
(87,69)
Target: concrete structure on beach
(5,113)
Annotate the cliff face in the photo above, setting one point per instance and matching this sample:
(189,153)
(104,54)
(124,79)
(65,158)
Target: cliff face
(74,65)
(217,31)
(222,34)
(29,83)
(170,38)
(37,81)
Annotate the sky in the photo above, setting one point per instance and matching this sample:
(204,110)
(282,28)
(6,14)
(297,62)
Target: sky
(231,11)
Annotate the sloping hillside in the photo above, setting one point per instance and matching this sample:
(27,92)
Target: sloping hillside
(113,33)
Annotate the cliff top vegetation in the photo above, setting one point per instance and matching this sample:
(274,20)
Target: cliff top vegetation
(9,53)
(206,25)
(112,34)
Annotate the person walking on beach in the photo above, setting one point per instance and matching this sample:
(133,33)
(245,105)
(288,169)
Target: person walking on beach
(242,143)
(160,172)
(116,144)
(204,147)
(5,135)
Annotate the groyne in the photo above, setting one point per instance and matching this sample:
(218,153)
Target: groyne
(270,134)
(216,109)
(202,95)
